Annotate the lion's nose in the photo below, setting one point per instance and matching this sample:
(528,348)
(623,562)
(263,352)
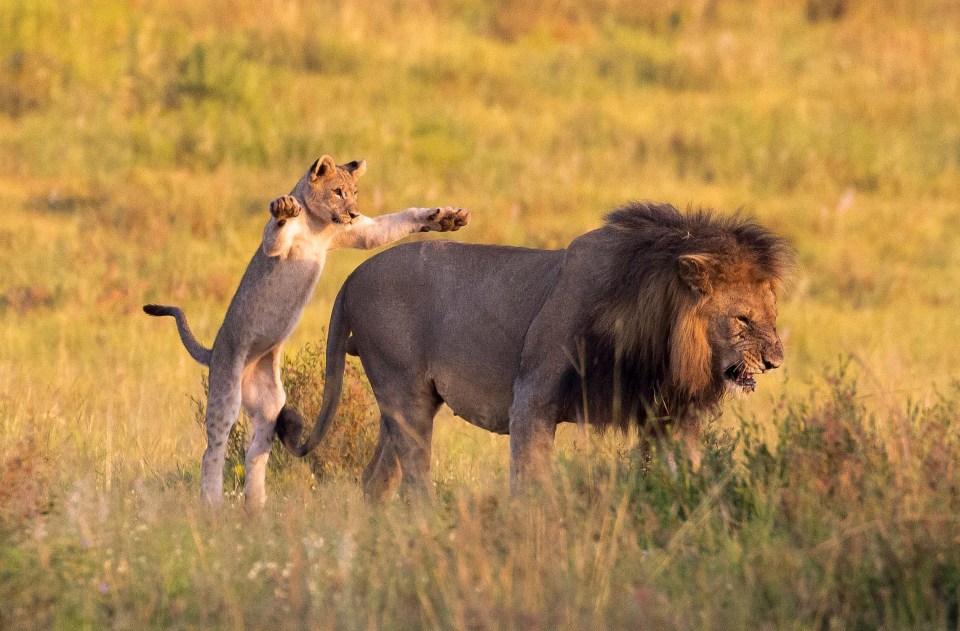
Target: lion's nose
(773,358)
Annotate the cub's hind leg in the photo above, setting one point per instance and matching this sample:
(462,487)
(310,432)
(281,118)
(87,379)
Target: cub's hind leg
(263,398)
(223,406)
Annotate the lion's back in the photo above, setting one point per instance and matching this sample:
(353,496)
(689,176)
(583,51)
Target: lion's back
(450,274)
(453,312)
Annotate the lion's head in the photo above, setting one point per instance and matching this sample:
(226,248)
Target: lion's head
(735,313)
(329,192)
(685,311)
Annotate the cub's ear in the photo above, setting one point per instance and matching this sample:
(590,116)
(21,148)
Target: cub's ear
(697,271)
(355,168)
(322,169)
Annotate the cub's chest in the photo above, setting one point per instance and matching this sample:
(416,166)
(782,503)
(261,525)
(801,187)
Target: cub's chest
(311,247)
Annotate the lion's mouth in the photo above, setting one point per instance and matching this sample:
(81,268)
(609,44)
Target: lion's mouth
(739,376)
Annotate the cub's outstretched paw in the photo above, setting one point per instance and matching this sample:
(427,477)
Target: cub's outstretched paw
(447,219)
(283,208)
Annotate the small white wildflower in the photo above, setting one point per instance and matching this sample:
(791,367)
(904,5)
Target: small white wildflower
(346,552)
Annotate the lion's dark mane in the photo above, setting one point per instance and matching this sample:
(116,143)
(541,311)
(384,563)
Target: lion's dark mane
(622,358)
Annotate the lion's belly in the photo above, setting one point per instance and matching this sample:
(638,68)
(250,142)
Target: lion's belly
(473,361)
(483,312)
(481,397)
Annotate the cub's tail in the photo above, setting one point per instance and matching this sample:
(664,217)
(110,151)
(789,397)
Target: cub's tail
(289,421)
(196,350)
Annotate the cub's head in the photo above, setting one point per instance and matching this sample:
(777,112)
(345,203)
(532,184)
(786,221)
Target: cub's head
(734,316)
(329,192)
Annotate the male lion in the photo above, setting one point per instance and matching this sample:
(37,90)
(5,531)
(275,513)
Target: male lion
(320,214)
(652,317)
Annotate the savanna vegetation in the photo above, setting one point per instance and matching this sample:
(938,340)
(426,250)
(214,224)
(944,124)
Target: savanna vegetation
(141,141)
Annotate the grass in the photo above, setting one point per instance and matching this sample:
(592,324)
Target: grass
(140,145)
(849,523)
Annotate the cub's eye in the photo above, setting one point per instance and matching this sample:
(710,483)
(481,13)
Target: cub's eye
(338,192)
(744,320)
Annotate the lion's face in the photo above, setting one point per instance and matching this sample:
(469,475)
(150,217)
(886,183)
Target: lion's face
(329,192)
(742,333)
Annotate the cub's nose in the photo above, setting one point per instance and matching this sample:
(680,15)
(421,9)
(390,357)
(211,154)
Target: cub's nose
(769,364)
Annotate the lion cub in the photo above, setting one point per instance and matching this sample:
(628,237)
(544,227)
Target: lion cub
(318,215)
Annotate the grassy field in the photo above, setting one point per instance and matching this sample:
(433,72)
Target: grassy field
(141,141)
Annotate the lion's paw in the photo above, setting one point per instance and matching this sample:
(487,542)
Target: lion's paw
(286,207)
(447,219)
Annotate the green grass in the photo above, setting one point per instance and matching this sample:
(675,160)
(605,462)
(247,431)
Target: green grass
(140,145)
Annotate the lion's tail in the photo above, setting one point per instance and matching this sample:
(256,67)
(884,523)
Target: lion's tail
(196,350)
(289,422)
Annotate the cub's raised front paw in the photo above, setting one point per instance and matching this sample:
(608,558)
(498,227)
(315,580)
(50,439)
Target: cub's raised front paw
(283,208)
(447,219)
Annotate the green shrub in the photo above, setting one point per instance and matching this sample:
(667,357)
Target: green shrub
(846,519)
(350,441)
(348,444)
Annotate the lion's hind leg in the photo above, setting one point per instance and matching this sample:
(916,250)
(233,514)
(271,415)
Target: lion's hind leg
(382,474)
(263,399)
(409,431)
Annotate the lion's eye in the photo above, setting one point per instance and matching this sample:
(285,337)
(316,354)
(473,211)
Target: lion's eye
(338,192)
(744,320)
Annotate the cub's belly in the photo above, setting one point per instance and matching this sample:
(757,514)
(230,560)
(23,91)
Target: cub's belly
(272,331)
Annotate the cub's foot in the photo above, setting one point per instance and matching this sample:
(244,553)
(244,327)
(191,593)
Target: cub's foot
(447,219)
(283,208)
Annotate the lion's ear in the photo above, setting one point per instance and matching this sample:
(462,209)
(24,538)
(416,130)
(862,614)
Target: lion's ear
(355,168)
(322,169)
(696,270)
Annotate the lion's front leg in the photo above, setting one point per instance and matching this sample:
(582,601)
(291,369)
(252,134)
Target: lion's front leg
(531,452)
(533,428)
